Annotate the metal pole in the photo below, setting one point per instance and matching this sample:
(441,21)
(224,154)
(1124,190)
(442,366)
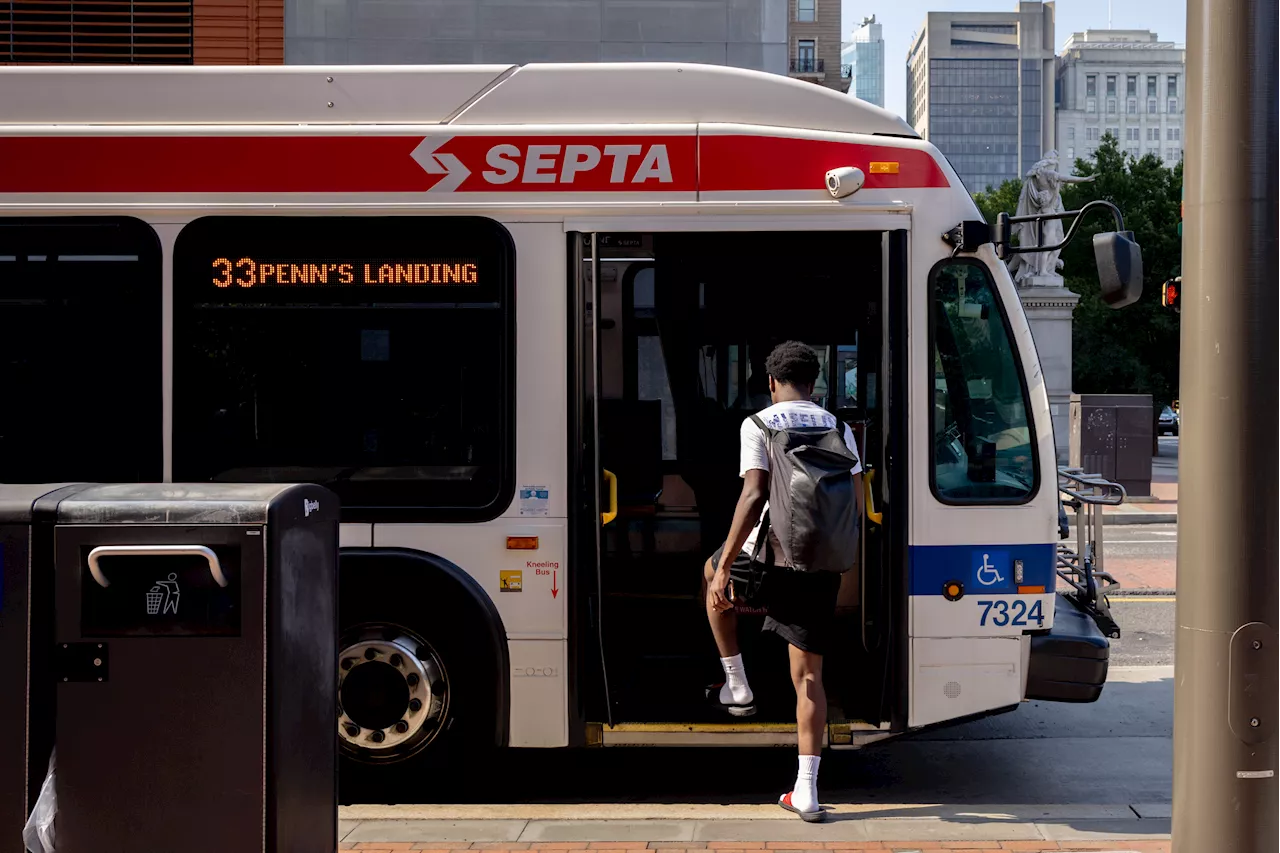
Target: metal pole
(1225,709)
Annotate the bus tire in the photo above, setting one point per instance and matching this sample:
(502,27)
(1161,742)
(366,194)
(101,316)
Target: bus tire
(422,676)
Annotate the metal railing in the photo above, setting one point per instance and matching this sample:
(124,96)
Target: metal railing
(808,65)
(1083,567)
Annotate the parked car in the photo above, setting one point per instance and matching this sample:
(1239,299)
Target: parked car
(1168,424)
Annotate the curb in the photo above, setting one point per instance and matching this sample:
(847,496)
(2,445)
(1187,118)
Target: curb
(1142,591)
(1140,518)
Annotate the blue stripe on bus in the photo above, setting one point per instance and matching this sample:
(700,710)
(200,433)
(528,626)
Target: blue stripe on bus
(981,568)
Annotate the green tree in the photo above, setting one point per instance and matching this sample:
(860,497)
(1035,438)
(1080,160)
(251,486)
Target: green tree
(1133,350)
(1001,199)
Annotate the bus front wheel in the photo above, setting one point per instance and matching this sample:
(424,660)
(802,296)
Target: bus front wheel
(415,691)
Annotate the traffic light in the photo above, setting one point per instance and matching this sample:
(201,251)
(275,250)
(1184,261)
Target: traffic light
(1171,294)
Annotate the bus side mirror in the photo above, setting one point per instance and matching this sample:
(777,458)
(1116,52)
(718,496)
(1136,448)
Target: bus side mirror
(1119,267)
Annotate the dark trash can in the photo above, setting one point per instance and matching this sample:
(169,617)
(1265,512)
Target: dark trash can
(26,643)
(194,645)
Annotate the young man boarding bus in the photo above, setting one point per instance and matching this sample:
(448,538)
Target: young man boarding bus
(800,460)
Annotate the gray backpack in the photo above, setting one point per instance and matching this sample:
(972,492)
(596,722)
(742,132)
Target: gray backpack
(813,510)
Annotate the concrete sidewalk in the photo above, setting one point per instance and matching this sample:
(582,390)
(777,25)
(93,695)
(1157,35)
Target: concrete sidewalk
(1143,828)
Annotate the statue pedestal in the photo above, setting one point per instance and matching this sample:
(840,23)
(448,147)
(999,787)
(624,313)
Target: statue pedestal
(1048,305)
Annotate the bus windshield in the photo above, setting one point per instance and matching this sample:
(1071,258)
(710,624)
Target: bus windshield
(983,443)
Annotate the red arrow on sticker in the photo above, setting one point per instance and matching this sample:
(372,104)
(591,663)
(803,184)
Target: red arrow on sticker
(554,591)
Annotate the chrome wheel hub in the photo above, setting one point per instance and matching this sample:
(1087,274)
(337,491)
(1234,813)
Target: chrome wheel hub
(392,694)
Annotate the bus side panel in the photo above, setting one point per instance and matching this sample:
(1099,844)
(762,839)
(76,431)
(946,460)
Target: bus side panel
(526,586)
(968,652)
(954,678)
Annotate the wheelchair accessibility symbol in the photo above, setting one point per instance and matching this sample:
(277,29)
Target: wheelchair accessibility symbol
(989,575)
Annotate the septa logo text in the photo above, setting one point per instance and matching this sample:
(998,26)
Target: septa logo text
(548,164)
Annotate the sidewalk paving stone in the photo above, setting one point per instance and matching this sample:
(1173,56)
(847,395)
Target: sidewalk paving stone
(1024,846)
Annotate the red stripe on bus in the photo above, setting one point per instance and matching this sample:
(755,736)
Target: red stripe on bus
(770,163)
(346,164)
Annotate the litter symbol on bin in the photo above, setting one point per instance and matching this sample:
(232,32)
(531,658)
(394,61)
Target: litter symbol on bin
(163,597)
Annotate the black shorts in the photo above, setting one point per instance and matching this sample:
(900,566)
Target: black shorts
(800,607)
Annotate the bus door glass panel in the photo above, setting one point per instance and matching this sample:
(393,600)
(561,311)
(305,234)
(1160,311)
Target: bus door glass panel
(80,351)
(983,444)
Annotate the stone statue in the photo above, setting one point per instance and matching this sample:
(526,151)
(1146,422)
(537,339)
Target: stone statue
(1041,193)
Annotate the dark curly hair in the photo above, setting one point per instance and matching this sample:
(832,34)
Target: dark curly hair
(793,363)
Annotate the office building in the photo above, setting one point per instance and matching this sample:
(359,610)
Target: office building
(754,34)
(862,62)
(980,88)
(751,34)
(1124,82)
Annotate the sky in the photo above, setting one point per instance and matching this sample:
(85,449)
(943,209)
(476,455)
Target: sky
(902,18)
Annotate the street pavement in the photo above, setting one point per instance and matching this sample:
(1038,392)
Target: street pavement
(1142,557)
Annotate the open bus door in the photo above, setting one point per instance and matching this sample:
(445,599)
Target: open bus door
(670,332)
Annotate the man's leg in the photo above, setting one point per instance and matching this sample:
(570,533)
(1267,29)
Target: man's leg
(811,719)
(736,693)
(811,699)
(724,623)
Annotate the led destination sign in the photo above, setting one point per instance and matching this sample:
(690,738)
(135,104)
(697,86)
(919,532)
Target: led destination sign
(252,272)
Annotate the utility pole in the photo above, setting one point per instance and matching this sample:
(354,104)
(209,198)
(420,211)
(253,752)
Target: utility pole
(1225,696)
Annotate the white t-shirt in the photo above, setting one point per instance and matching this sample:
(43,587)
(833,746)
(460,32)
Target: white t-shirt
(755,449)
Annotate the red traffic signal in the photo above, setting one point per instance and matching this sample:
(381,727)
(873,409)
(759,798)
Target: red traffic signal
(1171,294)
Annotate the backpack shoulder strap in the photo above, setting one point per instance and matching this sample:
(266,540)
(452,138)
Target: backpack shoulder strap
(763,427)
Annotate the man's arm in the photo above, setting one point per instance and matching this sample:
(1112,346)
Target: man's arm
(755,492)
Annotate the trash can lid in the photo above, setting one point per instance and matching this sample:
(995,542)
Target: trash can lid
(17,500)
(183,503)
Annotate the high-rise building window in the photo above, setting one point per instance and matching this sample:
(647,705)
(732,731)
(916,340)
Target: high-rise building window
(1091,85)
(1131,86)
(1175,134)
(1133,134)
(1111,85)
(1153,134)
(1132,107)
(1173,105)
(1111,106)
(1153,106)
(1091,105)
(1114,132)
(1151,86)
(1071,153)
(1173,85)
(805,11)
(1071,133)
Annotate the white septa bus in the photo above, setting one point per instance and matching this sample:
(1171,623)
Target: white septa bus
(514,317)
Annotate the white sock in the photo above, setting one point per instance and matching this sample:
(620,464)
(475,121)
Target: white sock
(736,691)
(804,796)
